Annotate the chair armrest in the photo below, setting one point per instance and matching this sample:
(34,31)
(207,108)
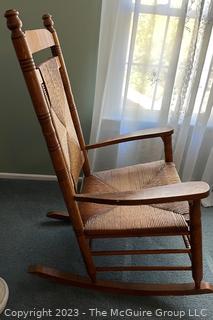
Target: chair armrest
(184,191)
(137,135)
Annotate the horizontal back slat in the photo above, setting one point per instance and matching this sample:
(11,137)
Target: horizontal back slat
(39,39)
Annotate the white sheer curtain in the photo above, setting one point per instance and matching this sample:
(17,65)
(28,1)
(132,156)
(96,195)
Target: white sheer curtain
(155,67)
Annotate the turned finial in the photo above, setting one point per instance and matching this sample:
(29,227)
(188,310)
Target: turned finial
(14,23)
(48,22)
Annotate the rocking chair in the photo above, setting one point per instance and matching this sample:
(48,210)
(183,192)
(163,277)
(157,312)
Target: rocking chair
(144,200)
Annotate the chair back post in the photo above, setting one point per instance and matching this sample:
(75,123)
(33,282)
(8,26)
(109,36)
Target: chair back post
(34,83)
(56,51)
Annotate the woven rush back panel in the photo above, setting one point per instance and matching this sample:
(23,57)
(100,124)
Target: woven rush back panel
(60,113)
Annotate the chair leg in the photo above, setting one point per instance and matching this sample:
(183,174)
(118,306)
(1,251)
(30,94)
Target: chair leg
(196,243)
(90,243)
(87,256)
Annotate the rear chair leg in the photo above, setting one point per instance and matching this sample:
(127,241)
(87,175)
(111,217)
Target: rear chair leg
(196,243)
(87,256)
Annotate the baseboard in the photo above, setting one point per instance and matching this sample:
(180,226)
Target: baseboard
(23,176)
(26,176)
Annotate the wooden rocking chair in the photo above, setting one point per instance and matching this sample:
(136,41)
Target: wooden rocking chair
(136,201)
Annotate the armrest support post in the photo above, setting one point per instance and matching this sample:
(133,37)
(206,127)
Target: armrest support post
(196,242)
(167,140)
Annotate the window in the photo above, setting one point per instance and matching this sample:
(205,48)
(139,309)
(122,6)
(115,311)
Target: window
(160,43)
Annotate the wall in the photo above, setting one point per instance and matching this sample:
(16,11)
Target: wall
(77,22)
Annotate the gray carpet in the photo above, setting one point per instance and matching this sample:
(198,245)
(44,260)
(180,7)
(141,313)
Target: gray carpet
(28,237)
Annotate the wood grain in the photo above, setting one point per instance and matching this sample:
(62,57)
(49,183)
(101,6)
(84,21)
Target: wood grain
(50,90)
(138,252)
(59,215)
(57,52)
(143,268)
(59,110)
(39,39)
(196,243)
(141,289)
(169,193)
(138,135)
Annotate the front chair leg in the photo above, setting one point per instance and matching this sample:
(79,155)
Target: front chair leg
(59,215)
(196,243)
